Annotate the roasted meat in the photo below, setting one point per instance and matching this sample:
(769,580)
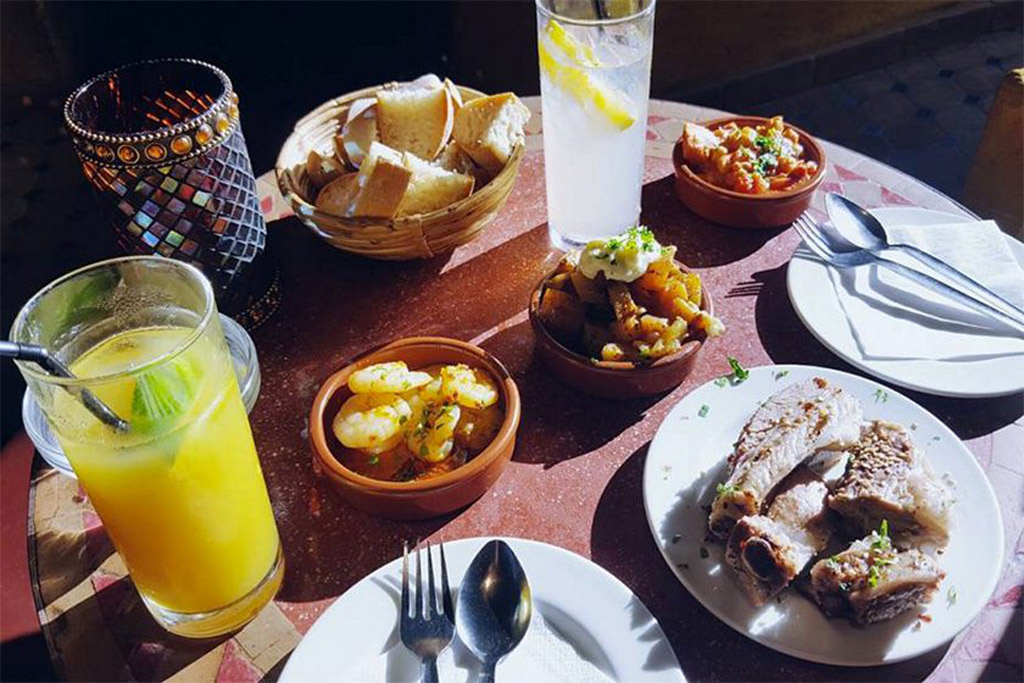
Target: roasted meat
(873,581)
(792,425)
(888,478)
(768,551)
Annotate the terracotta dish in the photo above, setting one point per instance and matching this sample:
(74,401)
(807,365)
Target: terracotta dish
(422,498)
(614,379)
(739,210)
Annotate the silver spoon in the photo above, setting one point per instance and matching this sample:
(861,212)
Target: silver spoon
(494,607)
(42,357)
(860,228)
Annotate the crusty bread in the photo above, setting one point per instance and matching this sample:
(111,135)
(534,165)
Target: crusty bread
(432,187)
(488,128)
(322,168)
(357,132)
(382,182)
(452,158)
(336,197)
(416,119)
(456,95)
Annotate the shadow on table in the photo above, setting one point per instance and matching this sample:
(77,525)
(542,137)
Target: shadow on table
(787,340)
(558,423)
(707,648)
(702,244)
(115,638)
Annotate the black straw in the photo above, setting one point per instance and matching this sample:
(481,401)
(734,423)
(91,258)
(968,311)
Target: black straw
(39,355)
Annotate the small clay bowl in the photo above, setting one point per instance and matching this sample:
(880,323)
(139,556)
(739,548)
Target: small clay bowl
(430,497)
(739,210)
(614,379)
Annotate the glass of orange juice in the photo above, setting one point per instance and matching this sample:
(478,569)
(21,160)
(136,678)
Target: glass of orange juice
(180,491)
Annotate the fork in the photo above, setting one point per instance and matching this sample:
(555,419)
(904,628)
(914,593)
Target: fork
(426,631)
(843,255)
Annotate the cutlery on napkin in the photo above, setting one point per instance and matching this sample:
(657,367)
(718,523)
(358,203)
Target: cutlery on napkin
(920,323)
(543,656)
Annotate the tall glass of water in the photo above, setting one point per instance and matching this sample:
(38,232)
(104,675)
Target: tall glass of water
(595,72)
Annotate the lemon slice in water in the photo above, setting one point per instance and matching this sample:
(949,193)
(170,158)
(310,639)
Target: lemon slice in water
(570,74)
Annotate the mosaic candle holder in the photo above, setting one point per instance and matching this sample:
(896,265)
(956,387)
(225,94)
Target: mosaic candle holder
(161,143)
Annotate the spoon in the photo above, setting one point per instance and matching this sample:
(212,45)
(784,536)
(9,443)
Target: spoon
(42,357)
(860,228)
(494,607)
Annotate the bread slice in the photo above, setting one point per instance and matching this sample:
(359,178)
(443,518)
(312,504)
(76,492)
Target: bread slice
(357,132)
(432,187)
(488,128)
(452,158)
(381,183)
(322,169)
(416,119)
(336,197)
(456,95)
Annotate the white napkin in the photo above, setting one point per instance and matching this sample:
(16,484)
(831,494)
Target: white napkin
(543,656)
(893,318)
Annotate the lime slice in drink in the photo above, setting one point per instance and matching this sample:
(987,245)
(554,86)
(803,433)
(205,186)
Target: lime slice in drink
(566,62)
(163,396)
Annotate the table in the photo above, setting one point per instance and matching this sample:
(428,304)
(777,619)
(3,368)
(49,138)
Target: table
(575,479)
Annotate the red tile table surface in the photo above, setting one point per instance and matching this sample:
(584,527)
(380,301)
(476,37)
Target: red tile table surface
(575,479)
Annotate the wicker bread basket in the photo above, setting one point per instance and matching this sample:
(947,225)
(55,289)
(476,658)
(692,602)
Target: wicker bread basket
(417,236)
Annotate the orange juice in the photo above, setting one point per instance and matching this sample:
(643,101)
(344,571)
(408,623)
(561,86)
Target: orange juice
(181,494)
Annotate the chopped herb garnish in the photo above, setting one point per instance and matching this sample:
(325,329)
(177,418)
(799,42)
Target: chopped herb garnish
(721,381)
(874,574)
(780,374)
(725,489)
(374,459)
(880,539)
(765,164)
(737,370)
(704,410)
(881,395)
(843,586)
(952,595)
(704,554)
(423,450)
(403,419)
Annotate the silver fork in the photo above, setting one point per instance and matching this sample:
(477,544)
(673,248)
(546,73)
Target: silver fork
(425,630)
(841,254)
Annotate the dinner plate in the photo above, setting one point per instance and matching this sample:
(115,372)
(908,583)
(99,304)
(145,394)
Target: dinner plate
(814,298)
(687,458)
(591,610)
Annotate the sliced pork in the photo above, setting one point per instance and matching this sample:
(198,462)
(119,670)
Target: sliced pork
(792,425)
(769,551)
(888,478)
(873,581)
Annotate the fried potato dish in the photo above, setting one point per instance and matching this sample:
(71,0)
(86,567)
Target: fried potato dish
(625,299)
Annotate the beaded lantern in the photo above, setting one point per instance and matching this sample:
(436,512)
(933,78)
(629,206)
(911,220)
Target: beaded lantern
(161,143)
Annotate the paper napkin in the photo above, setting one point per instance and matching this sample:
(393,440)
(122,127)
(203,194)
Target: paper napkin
(543,656)
(894,318)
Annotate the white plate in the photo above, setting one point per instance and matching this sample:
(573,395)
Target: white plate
(687,459)
(591,609)
(813,296)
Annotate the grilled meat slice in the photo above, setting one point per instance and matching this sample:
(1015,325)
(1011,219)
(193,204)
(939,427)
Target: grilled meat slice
(873,581)
(888,478)
(792,425)
(768,551)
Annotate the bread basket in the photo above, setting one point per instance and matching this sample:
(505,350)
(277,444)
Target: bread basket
(417,236)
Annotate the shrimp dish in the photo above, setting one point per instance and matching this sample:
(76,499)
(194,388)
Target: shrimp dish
(411,425)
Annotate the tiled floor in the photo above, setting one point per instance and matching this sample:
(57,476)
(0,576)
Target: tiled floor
(923,115)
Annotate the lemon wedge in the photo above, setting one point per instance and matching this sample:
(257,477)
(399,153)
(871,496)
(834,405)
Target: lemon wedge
(571,75)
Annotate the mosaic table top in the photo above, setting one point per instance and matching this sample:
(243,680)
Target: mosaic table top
(575,479)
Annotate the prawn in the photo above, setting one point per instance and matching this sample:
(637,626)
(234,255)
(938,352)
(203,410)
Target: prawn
(371,420)
(391,377)
(431,437)
(468,386)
